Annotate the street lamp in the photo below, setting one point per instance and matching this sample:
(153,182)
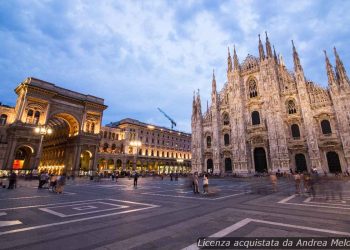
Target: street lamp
(42,131)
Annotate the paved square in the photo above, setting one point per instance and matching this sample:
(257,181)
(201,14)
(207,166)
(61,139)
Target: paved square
(70,210)
(165,214)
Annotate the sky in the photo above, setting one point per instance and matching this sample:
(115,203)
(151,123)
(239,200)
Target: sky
(141,55)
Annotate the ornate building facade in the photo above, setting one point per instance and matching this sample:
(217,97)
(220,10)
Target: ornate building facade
(50,128)
(129,145)
(268,118)
(58,130)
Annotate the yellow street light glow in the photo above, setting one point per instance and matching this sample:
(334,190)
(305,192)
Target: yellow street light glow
(37,130)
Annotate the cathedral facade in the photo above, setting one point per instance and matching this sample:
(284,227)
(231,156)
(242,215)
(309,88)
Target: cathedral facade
(267,118)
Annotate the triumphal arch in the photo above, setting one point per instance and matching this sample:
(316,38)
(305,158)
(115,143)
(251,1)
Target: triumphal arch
(50,128)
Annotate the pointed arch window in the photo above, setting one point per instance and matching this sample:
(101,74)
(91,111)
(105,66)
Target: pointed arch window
(253,90)
(295,131)
(326,127)
(255,118)
(291,108)
(227,139)
(208,142)
(226,119)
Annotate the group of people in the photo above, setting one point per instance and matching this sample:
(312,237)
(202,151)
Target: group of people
(54,183)
(195,183)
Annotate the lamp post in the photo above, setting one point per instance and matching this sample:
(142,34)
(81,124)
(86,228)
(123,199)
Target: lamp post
(42,131)
(136,144)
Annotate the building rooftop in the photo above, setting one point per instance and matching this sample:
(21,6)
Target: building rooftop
(142,124)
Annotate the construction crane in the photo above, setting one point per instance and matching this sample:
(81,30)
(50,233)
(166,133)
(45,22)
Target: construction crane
(173,123)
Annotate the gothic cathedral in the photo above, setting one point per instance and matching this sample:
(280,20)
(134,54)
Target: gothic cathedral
(267,118)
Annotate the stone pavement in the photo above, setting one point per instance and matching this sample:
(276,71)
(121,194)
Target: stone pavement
(163,214)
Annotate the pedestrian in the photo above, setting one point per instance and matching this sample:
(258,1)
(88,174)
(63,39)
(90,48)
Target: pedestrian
(297,182)
(195,183)
(171,176)
(136,176)
(273,179)
(162,176)
(176,176)
(61,181)
(112,176)
(205,184)
(12,180)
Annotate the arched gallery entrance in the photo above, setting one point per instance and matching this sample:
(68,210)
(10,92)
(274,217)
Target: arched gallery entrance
(260,160)
(300,163)
(23,158)
(85,161)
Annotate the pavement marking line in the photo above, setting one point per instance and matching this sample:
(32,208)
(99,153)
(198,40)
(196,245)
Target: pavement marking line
(245,221)
(4,223)
(287,199)
(223,197)
(50,204)
(191,197)
(315,204)
(49,209)
(223,232)
(36,196)
(75,220)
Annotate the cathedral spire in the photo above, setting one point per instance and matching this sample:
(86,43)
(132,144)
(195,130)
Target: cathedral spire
(261,50)
(297,65)
(235,59)
(330,73)
(281,60)
(213,83)
(268,47)
(274,54)
(199,105)
(229,61)
(340,69)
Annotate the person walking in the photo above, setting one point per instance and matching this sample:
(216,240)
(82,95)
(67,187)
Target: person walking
(205,184)
(136,176)
(195,183)
(171,176)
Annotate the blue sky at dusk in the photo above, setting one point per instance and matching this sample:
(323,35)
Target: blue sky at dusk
(140,55)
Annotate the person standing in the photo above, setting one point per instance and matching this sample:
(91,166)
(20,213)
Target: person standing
(171,176)
(273,179)
(195,183)
(136,176)
(205,184)
(12,180)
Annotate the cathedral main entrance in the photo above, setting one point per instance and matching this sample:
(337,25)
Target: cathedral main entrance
(333,162)
(300,163)
(260,160)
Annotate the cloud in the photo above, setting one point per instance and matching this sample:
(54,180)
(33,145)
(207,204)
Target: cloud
(140,55)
